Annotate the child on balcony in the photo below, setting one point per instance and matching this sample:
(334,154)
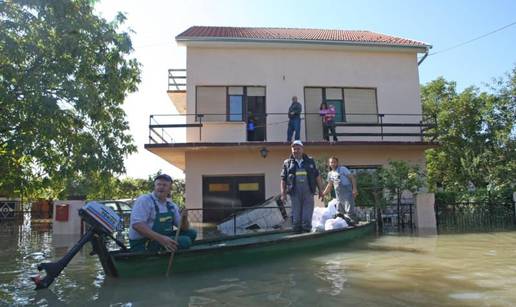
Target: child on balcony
(328,114)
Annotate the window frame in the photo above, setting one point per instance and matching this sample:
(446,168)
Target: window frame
(242,106)
(343,100)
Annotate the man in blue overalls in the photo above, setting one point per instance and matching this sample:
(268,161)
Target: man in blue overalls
(299,178)
(152,220)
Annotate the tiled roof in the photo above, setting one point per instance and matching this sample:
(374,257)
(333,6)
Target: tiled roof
(200,33)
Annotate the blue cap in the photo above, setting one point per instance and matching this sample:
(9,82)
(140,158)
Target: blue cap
(163,177)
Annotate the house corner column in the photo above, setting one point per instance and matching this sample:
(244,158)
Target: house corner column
(425,213)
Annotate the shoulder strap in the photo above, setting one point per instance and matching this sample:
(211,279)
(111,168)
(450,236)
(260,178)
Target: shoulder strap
(156,208)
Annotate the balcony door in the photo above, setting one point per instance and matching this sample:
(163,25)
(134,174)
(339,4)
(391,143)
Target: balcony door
(256,109)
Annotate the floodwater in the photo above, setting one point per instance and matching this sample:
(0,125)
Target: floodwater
(392,270)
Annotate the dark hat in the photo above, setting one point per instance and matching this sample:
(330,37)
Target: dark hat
(163,177)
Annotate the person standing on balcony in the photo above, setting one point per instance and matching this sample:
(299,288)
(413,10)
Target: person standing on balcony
(294,119)
(153,218)
(299,178)
(345,185)
(251,127)
(328,114)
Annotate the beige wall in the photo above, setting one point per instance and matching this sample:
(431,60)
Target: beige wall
(218,132)
(247,161)
(285,72)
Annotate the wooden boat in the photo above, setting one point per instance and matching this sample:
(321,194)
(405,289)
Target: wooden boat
(223,252)
(202,255)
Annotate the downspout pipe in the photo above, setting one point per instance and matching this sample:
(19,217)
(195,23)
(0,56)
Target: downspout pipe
(424,57)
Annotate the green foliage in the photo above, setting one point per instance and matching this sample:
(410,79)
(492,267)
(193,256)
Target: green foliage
(383,186)
(322,166)
(109,187)
(64,75)
(398,177)
(477,196)
(370,190)
(476,135)
(103,187)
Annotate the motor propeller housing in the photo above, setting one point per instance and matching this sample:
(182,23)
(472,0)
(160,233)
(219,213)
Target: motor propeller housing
(101,220)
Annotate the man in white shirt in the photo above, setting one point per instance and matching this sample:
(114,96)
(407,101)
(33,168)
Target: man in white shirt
(153,217)
(345,185)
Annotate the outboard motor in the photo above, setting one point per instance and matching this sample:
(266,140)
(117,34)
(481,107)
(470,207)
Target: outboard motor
(101,220)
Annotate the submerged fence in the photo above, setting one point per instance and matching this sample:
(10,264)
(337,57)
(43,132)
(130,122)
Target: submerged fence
(475,216)
(405,220)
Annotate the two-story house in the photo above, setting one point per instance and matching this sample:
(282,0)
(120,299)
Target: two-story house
(234,73)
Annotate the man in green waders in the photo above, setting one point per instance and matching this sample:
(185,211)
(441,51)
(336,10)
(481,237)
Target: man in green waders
(153,217)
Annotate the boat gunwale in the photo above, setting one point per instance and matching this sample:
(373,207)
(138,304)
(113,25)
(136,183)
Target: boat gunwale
(121,255)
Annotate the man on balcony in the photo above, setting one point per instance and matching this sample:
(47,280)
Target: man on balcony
(153,218)
(294,119)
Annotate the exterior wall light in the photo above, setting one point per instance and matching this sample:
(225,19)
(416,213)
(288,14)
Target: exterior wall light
(264,152)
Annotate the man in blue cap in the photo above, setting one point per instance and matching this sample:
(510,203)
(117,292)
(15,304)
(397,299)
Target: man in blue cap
(299,178)
(152,220)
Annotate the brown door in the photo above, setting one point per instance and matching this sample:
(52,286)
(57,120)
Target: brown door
(222,196)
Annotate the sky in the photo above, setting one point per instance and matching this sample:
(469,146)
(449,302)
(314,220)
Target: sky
(442,24)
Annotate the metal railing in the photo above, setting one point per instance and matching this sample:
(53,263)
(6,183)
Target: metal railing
(392,220)
(475,216)
(165,128)
(177,79)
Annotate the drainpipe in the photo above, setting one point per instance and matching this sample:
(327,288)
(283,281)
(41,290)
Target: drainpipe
(423,58)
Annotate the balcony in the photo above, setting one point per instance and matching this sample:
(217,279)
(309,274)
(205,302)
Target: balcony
(272,127)
(177,89)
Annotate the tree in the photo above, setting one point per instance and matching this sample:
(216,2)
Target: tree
(103,188)
(65,74)
(476,135)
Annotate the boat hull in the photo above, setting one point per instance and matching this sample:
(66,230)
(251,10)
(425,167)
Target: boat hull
(238,251)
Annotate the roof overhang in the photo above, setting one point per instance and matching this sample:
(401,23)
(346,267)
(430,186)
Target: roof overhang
(309,44)
(175,153)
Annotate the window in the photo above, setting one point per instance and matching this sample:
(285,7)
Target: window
(125,207)
(218,187)
(211,102)
(231,103)
(360,104)
(235,108)
(369,169)
(252,186)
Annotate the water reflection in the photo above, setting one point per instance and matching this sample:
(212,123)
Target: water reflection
(393,270)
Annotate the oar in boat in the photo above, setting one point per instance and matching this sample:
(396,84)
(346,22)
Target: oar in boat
(176,237)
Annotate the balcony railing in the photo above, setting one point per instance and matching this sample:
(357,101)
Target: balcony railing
(177,79)
(272,127)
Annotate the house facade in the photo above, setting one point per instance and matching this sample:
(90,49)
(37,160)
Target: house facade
(234,74)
